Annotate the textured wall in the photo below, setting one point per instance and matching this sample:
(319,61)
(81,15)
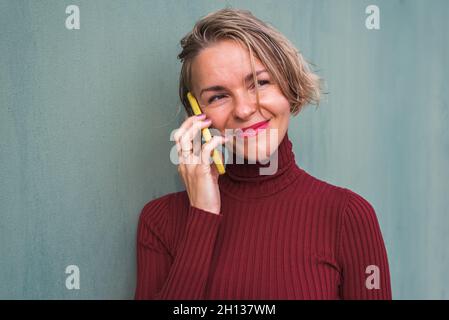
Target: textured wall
(85,117)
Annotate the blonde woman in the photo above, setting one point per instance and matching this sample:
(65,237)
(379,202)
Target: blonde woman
(243,234)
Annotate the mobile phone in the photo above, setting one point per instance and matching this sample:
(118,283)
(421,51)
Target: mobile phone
(206,133)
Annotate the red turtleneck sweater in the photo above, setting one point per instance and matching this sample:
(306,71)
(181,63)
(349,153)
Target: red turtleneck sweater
(283,236)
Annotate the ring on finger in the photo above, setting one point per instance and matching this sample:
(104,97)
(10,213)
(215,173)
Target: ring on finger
(186,153)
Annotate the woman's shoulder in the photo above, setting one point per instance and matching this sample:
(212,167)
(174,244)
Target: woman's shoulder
(324,189)
(159,210)
(344,197)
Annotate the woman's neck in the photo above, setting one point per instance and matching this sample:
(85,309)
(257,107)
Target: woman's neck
(253,180)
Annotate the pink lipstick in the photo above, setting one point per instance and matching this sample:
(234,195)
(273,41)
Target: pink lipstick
(255,128)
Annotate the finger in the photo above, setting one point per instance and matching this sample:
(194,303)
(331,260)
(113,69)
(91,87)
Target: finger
(186,146)
(194,130)
(182,131)
(208,148)
(193,134)
(185,125)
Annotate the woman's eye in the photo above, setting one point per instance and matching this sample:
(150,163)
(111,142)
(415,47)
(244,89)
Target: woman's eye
(261,82)
(212,99)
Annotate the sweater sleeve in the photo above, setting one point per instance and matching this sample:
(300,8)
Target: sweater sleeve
(362,253)
(161,276)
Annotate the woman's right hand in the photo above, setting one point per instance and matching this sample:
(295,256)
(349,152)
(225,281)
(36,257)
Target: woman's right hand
(200,176)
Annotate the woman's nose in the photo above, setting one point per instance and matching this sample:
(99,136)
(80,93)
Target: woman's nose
(244,107)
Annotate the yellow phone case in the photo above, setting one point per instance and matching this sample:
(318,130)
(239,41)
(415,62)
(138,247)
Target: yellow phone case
(206,133)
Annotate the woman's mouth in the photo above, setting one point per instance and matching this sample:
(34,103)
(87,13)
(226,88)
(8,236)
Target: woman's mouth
(253,130)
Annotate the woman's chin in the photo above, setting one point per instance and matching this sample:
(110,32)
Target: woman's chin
(253,155)
(256,149)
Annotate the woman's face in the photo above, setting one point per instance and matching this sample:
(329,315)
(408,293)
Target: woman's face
(224,87)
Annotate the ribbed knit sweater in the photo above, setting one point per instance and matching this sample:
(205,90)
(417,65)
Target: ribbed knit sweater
(284,236)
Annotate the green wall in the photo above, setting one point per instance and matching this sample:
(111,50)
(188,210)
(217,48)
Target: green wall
(85,119)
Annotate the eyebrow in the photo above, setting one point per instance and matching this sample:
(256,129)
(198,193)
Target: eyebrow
(220,88)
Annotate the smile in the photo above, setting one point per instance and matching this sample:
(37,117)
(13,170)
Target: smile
(253,130)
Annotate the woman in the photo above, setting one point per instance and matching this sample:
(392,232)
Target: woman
(247,235)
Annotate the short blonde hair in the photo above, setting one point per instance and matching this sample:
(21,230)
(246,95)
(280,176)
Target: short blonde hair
(282,60)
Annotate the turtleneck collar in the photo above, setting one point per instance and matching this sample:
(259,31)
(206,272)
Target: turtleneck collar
(244,181)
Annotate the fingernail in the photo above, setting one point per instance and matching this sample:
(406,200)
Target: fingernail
(201,116)
(208,120)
